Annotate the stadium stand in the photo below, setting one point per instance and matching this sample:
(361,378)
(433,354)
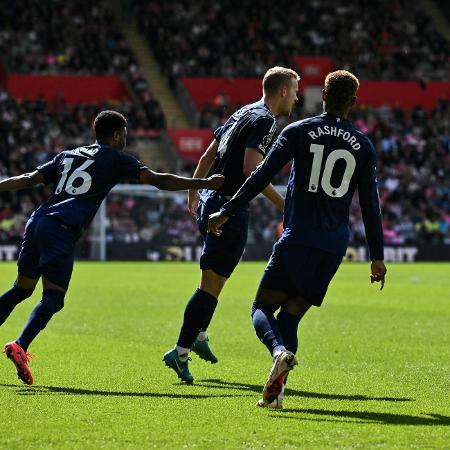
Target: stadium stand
(203,39)
(414,157)
(32,133)
(78,37)
(62,37)
(387,40)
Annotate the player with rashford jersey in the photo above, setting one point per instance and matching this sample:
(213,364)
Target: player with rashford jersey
(331,159)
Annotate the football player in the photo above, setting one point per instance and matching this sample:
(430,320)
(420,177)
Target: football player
(331,160)
(238,147)
(81,179)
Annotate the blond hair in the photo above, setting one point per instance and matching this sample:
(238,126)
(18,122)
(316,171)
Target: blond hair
(276,77)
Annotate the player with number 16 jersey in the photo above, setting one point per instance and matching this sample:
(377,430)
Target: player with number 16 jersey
(81,179)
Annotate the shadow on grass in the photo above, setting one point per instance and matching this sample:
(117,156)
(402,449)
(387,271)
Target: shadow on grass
(365,417)
(218,383)
(46,390)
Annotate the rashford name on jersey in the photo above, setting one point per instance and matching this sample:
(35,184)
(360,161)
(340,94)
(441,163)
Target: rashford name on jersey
(335,131)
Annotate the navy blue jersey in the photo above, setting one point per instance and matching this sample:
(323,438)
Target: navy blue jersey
(81,179)
(252,126)
(331,159)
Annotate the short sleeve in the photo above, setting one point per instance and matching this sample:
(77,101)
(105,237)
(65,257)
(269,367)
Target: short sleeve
(218,134)
(50,170)
(261,134)
(128,166)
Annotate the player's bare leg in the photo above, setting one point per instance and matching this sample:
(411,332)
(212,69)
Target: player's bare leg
(26,282)
(47,284)
(212,282)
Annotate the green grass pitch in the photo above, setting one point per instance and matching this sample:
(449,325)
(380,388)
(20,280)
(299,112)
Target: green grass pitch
(373,372)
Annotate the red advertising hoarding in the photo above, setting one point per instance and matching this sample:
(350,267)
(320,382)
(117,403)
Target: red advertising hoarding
(191,143)
(239,91)
(73,89)
(406,94)
(314,69)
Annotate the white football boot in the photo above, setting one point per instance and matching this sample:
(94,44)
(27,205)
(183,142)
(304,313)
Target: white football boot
(282,365)
(276,404)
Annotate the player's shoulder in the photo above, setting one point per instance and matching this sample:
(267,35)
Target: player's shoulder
(365,141)
(307,122)
(90,150)
(257,110)
(300,126)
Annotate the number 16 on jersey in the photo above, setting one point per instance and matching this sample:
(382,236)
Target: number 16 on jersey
(78,172)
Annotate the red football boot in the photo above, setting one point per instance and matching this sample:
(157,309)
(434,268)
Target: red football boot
(282,364)
(20,359)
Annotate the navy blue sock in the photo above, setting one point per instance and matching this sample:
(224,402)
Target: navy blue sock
(288,326)
(266,326)
(197,313)
(10,299)
(52,302)
(210,316)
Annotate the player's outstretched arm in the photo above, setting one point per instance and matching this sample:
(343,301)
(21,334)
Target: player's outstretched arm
(170,182)
(279,155)
(25,181)
(252,158)
(203,167)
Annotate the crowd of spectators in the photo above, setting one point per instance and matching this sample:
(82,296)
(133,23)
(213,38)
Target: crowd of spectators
(32,133)
(164,220)
(414,184)
(413,171)
(57,37)
(209,38)
(77,37)
(377,40)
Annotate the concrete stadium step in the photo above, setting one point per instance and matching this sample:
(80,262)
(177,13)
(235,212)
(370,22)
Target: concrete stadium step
(156,79)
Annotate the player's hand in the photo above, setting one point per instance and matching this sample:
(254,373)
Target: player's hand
(378,270)
(215,181)
(193,199)
(215,221)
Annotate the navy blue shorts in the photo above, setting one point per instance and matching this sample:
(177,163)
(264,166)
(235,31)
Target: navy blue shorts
(47,250)
(222,253)
(300,271)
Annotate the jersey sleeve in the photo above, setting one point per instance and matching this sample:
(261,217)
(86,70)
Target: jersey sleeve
(261,134)
(50,170)
(128,166)
(279,155)
(370,206)
(218,133)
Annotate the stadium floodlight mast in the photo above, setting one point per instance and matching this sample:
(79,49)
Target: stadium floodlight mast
(99,224)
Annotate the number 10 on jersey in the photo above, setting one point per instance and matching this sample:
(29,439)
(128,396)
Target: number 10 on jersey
(335,155)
